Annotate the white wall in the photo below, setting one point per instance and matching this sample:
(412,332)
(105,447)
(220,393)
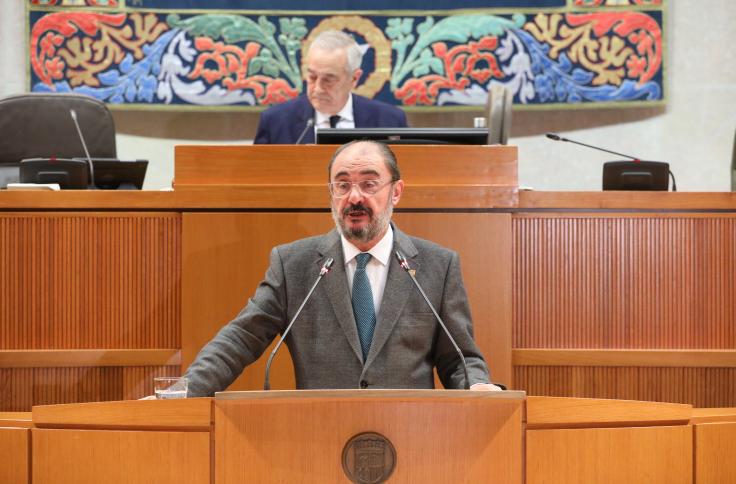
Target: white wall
(694,132)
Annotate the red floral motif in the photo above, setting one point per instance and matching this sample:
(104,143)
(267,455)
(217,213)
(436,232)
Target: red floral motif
(463,63)
(639,28)
(52,30)
(232,70)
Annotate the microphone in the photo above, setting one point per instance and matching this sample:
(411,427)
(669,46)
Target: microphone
(557,137)
(635,159)
(73,113)
(310,123)
(324,270)
(405,265)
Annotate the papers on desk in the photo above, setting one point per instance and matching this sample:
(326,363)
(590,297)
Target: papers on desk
(34,186)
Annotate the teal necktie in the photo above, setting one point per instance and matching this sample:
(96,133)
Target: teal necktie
(365,315)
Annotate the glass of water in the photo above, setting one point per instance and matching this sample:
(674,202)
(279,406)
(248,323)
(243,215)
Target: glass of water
(168,387)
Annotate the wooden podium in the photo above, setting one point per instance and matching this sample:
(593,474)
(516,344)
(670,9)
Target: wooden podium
(432,436)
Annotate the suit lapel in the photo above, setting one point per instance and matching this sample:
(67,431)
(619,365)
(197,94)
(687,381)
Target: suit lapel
(398,286)
(305,112)
(336,285)
(360,114)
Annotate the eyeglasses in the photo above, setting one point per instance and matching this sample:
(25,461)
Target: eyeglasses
(340,189)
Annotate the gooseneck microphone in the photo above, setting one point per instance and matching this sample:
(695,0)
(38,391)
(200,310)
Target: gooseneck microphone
(636,159)
(557,137)
(73,114)
(405,265)
(324,270)
(310,123)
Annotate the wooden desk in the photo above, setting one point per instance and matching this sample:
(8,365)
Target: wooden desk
(566,440)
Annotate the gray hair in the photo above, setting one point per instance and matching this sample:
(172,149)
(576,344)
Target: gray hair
(389,157)
(330,40)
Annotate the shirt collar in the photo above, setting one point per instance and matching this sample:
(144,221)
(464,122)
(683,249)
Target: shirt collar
(346,113)
(381,251)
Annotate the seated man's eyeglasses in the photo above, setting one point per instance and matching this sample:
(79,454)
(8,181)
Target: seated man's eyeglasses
(340,189)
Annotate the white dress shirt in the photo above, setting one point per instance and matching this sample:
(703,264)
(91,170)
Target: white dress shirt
(377,268)
(346,117)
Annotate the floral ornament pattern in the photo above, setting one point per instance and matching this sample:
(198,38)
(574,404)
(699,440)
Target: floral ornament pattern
(431,62)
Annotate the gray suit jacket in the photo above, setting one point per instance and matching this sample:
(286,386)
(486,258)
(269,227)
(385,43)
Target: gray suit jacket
(407,343)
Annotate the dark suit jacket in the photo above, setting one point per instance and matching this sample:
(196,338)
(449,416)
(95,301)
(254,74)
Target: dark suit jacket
(283,123)
(407,343)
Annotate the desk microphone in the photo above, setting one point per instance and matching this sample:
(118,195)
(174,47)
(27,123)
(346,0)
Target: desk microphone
(405,265)
(324,270)
(635,159)
(557,137)
(73,113)
(310,123)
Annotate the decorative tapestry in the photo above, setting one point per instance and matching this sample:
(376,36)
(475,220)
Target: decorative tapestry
(430,55)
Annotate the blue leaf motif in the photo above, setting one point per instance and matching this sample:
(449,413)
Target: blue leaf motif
(109,78)
(564,62)
(127,64)
(581,77)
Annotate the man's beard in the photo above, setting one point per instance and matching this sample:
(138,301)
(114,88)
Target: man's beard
(369,231)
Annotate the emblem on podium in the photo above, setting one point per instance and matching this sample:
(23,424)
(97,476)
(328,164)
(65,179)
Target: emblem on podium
(368,458)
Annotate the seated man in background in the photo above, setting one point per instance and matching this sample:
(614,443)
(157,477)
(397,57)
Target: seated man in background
(332,70)
(366,324)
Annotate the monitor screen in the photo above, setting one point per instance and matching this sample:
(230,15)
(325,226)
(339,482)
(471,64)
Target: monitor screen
(636,175)
(73,173)
(113,174)
(68,173)
(420,136)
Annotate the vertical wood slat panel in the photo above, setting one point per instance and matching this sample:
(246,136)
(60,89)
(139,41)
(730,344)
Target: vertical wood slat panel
(626,282)
(700,387)
(21,388)
(90,281)
(607,282)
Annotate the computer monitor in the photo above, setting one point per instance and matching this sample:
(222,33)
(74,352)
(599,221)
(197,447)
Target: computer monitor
(113,174)
(67,172)
(415,136)
(73,173)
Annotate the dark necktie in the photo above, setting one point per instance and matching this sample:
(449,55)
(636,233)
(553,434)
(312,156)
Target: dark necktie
(365,315)
(334,119)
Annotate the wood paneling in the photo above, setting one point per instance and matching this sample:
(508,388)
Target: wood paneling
(21,388)
(469,438)
(67,358)
(83,298)
(226,256)
(177,414)
(662,284)
(660,358)
(96,280)
(715,453)
(84,456)
(15,452)
(266,165)
(553,412)
(652,455)
(656,201)
(617,282)
(700,387)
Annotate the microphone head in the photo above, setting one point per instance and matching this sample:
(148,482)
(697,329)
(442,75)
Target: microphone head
(73,114)
(310,122)
(326,266)
(553,136)
(402,260)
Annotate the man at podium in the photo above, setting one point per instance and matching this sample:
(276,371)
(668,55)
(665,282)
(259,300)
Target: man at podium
(366,324)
